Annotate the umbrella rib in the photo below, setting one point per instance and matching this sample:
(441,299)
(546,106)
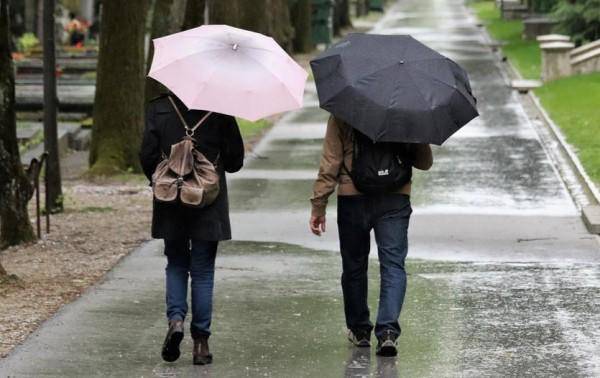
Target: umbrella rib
(424,100)
(443,82)
(184,57)
(228,44)
(209,77)
(287,89)
(432,77)
(441,57)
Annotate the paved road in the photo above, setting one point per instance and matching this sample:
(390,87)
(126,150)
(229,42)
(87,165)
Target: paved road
(503,278)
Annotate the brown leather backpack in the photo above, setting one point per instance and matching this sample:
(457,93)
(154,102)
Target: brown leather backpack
(186,176)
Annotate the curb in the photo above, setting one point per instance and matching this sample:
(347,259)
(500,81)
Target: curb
(583,191)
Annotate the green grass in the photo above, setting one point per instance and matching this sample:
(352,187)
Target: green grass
(574,104)
(251,130)
(525,55)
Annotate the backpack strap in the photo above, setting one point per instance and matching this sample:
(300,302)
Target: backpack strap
(189,131)
(353,140)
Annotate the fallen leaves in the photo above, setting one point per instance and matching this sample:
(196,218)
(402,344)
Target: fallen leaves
(101,225)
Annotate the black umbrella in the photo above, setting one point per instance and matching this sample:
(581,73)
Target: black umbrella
(393,88)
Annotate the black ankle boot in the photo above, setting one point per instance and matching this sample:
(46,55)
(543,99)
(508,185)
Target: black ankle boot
(170,349)
(201,353)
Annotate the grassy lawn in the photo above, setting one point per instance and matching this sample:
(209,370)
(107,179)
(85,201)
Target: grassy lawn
(574,104)
(251,130)
(525,55)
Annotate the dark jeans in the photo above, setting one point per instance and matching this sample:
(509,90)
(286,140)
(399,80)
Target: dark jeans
(388,215)
(195,259)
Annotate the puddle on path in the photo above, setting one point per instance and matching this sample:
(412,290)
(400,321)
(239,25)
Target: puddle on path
(278,312)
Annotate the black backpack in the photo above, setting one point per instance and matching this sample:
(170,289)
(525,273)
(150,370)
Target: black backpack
(381,167)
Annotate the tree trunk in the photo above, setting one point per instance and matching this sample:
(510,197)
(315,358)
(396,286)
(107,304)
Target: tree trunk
(15,188)
(301,17)
(119,102)
(53,191)
(30,16)
(194,14)
(167,19)
(39,25)
(341,16)
(281,28)
(270,17)
(362,8)
(224,12)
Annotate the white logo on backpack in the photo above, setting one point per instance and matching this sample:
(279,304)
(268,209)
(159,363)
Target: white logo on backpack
(384,172)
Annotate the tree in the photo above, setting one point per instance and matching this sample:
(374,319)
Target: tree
(579,19)
(301,17)
(39,25)
(224,12)
(30,16)
(194,14)
(167,19)
(119,102)
(362,7)
(15,188)
(54,201)
(270,17)
(341,16)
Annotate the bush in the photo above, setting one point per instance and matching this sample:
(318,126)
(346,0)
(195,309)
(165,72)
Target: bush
(543,6)
(580,19)
(27,41)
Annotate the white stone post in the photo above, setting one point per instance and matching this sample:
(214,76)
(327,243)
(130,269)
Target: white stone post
(546,38)
(556,60)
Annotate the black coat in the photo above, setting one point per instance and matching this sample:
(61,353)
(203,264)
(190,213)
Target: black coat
(219,136)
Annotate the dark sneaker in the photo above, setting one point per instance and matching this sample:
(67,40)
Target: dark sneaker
(386,347)
(170,349)
(360,338)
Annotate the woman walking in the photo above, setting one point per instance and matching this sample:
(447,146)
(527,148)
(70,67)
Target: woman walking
(227,71)
(191,234)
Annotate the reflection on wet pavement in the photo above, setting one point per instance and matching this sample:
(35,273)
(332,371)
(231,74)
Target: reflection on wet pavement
(493,197)
(278,312)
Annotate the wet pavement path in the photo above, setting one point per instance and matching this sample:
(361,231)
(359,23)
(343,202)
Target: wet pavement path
(503,278)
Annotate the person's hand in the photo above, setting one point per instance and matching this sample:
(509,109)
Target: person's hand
(317,224)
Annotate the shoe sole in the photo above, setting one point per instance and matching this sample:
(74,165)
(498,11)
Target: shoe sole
(361,343)
(171,352)
(387,351)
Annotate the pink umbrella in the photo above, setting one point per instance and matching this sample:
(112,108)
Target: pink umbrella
(228,70)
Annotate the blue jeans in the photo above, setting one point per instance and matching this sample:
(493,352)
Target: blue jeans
(388,215)
(195,259)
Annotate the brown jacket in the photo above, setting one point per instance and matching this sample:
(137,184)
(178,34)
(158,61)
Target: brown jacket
(337,149)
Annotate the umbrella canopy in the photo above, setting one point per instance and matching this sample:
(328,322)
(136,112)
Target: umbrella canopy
(393,88)
(228,70)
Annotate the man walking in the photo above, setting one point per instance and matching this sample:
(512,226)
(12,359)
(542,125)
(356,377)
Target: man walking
(373,185)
